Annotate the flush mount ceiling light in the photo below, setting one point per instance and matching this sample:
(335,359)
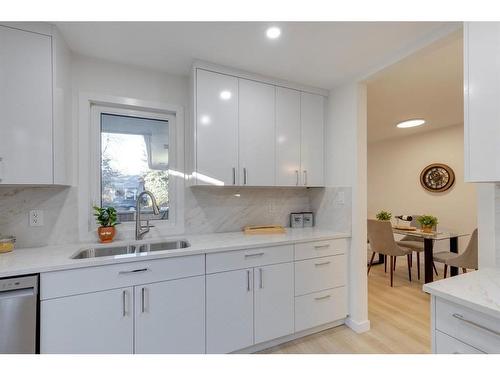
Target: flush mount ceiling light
(273,32)
(225,95)
(410,123)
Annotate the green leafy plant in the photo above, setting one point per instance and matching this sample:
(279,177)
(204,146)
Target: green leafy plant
(427,220)
(384,216)
(105,216)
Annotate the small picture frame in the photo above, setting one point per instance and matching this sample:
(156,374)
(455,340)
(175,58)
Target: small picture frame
(308,219)
(296,220)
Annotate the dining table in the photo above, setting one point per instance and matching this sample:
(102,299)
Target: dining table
(429,239)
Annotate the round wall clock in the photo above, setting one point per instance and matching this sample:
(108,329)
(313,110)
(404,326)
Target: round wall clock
(437,177)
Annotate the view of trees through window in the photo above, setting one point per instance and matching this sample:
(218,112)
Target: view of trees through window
(134,158)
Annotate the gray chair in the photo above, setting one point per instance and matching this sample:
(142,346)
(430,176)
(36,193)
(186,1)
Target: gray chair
(416,244)
(465,260)
(382,241)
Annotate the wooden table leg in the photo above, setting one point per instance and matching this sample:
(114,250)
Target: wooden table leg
(454,249)
(428,271)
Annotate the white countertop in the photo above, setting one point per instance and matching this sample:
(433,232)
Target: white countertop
(478,290)
(52,258)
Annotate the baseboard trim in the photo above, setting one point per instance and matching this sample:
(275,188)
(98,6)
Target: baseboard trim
(358,326)
(284,339)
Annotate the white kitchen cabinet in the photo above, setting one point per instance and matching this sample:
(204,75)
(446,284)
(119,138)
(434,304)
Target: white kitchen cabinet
(312,139)
(287,137)
(216,128)
(100,322)
(170,317)
(25,107)
(481,95)
(274,301)
(256,133)
(229,318)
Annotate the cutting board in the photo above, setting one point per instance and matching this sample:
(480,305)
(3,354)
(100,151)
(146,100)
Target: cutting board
(263,229)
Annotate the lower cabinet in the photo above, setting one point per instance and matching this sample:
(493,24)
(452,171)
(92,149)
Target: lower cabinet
(164,317)
(249,306)
(170,317)
(100,322)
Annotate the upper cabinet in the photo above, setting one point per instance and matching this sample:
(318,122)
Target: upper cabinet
(248,132)
(256,133)
(28,152)
(312,137)
(482,95)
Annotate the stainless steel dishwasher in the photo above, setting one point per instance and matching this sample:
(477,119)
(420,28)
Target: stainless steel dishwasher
(18,315)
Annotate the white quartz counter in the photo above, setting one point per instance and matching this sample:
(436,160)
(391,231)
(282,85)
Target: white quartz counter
(52,258)
(479,290)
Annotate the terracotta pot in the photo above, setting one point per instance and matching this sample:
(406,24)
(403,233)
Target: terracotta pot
(106,234)
(427,228)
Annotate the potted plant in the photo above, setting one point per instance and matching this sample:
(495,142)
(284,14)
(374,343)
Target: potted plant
(384,216)
(106,218)
(427,222)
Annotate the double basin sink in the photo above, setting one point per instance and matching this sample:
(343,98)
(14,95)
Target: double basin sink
(139,248)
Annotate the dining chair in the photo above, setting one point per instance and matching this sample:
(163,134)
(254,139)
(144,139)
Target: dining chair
(416,244)
(465,260)
(382,241)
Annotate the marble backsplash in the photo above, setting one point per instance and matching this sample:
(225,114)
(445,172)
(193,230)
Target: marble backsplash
(207,210)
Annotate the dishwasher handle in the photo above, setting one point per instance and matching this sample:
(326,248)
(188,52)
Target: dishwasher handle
(25,292)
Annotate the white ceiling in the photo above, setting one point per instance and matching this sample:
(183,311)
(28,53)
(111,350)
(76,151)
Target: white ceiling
(320,54)
(428,85)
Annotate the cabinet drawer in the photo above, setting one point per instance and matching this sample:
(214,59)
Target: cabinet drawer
(313,275)
(84,280)
(448,345)
(316,249)
(233,260)
(320,308)
(474,328)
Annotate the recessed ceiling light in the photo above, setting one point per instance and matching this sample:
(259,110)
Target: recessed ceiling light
(411,123)
(205,120)
(273,32)
(225,95)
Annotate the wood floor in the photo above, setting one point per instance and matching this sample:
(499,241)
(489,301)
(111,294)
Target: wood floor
(399,319)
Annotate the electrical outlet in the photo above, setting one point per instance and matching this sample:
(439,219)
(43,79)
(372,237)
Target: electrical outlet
(341,197)
(36,218)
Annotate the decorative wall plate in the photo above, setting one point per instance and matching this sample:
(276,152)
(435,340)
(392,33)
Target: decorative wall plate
(437,177)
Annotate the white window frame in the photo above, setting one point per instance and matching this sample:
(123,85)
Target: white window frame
(91,107)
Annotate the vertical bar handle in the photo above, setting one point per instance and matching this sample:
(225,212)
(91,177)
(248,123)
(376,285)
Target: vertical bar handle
(248,280)
(244,176)
(143,292)
(234,176)
(305,177)
(297,177)
(261,283)
(124,303)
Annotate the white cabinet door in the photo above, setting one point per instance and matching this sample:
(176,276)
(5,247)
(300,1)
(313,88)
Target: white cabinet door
(256,133)
(482,93)
(25,107)
(312,108)
(216,128)
(287,137)
(229,311)
(100,323)
(170,317)
(274,301)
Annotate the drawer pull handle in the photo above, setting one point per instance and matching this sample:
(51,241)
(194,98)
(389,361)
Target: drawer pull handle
(321,246)
(322,263)
(133,271)
(460,317)
(253,255)
(323,297)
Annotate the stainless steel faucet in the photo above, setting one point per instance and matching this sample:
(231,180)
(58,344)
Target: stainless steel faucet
(141,230)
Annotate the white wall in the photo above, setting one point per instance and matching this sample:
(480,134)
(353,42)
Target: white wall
(346,166)
(394,167)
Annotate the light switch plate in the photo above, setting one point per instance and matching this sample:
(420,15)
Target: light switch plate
(36,218)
